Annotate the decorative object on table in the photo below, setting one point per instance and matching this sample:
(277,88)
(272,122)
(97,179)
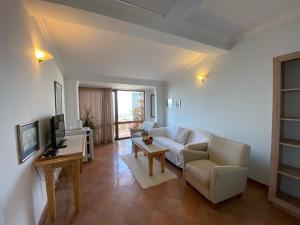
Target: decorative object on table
(58,98)
(88,119)
(148,140)
(144,134)
(28,140)
(169,102)
(152,106)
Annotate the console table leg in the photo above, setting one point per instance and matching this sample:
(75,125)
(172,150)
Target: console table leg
(50,192)
(76,183)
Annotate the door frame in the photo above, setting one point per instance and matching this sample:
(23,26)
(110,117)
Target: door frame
(116,116)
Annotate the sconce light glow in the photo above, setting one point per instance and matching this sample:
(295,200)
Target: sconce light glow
(201,75)
(42,55)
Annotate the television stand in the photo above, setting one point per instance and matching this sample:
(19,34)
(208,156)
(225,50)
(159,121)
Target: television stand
(72,155)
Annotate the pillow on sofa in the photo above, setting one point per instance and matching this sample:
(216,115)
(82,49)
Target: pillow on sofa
(182,135)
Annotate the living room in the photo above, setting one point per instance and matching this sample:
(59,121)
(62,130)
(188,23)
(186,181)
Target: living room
(217,85)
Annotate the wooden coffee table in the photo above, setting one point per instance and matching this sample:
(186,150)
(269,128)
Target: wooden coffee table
(150,151)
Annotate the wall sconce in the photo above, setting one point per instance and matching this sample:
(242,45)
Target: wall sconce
(42,55)
(201,78)
(202,75)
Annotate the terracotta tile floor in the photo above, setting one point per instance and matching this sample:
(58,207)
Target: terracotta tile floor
(111,196)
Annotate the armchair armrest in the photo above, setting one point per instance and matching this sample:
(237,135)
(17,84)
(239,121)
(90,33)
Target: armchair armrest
(196,146)
(191,155)
(226,182)
(155,132)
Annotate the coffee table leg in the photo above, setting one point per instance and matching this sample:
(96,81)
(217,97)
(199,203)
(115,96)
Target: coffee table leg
(150,164)
(162,162)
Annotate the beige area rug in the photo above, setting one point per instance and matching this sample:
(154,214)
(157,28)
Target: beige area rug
(139,168)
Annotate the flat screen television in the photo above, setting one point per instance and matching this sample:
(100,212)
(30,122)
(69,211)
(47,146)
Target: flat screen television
(57,131)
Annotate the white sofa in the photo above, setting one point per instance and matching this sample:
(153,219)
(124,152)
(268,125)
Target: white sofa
(165,136)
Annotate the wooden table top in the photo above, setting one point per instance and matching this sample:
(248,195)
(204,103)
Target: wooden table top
(153,148)
(74,150)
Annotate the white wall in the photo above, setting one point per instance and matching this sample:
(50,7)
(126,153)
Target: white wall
(27,94)
(236,100)
(72,103)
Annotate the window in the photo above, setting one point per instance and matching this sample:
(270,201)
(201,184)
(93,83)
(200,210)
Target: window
(129,111)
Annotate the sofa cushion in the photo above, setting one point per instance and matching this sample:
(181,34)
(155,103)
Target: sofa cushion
(201,170)
(169,143)
(182,135)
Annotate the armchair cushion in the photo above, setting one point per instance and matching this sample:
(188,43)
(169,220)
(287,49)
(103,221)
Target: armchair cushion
(201,169)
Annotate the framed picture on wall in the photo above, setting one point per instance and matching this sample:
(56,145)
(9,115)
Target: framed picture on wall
(28,140)
(152,106)
(58,98)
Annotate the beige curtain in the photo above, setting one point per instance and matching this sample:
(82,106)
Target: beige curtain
(100,102)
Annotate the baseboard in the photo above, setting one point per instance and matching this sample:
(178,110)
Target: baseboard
(258,183)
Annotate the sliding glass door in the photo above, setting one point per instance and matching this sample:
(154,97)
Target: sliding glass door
(129,110)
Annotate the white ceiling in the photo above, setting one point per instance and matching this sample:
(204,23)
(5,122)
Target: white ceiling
(160,7)
(91,51)
(146,39)
(233,17)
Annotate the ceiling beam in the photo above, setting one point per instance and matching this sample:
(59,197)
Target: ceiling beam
(131,22)
(181,9)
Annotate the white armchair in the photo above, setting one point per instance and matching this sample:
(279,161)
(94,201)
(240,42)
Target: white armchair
(146,126)
(221,172)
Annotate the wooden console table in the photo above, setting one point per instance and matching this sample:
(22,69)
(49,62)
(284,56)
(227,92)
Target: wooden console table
(70,156)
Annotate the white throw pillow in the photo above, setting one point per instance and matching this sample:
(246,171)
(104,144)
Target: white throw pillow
(182,135)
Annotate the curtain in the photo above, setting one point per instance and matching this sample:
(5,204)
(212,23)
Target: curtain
(100,104)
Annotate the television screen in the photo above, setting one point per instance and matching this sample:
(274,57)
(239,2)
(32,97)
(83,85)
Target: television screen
(57,130)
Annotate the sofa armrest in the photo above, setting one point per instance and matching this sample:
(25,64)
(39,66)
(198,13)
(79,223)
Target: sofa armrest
(226,182)
(156,132)
(196,146)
